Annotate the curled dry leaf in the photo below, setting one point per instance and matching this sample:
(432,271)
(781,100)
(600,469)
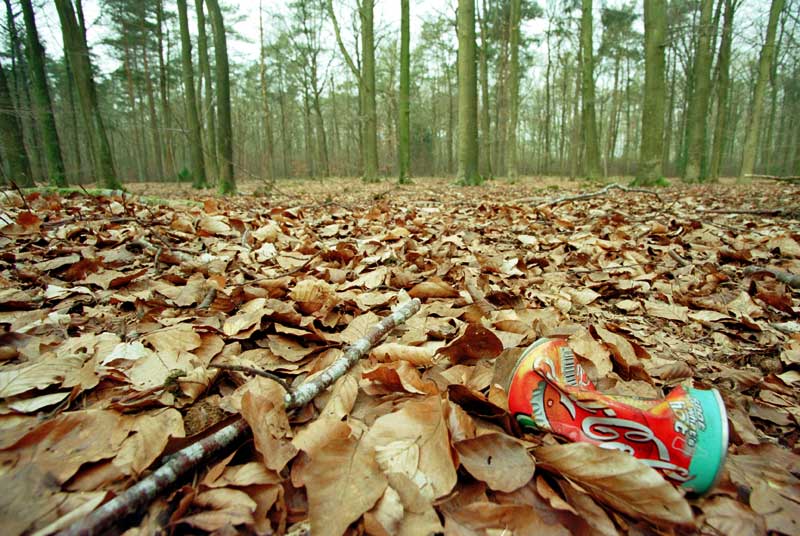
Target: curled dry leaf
(415,355)
(727,516)
(435,288)
(497,459)
(619,480)
(394,377)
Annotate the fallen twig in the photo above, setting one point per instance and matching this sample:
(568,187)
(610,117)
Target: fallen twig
(790,279)
(208,299)
(598,193)
(258,372)
(680,260)
(773,178)
(756,211)
(186,459)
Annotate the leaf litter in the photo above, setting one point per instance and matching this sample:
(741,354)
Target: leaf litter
(115,313)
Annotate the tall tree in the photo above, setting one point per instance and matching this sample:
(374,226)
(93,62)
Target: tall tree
(78,51)
(513,91)
(206,92)
(269,149)
(589,120)
(227,184)
(696,115)
(19,168)
(467,96)
(403,154)
(366,84)
(195,140)
(757,108)
(652,144)
(485,123)
(723,90)
(41,93)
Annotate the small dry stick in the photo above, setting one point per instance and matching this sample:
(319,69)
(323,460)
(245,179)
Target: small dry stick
(186,459)
(598,193)
(258,372)
(208,299)
(311,388)
(774,178)
(793,280)
(680,260)
(757,212)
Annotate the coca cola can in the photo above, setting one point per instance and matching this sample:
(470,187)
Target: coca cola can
(683,436)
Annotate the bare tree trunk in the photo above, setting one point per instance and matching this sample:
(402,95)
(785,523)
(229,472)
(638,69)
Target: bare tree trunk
(467,96)
(155,131)
(269,149)
(19,168)
(652,150)
(513,91)
(403,154)
(486,135)
(166,116)
(195,138)
(723,88)
(227,185)
(44,109)
(75,46)
(208,110)
(698,104)
(588,98)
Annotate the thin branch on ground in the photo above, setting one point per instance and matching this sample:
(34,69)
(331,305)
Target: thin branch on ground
(793,280)
(21,195)
(598,193)
(191,457)
(755,211)
(680,260)
(208,299)
(258,372)
(774,178)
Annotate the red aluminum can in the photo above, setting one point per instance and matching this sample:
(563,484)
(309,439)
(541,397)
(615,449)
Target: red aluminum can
(684,436)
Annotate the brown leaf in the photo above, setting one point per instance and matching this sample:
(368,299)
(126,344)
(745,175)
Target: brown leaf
(584,345)
(484,516)
(476,342)
(145,445)
(619,480)
(781,514)
(497,459)
(415,355)
(422,424)
(342,479)
(393,377)
(434,288)
(727,516)
(667,310)
(226,508)
(263,409)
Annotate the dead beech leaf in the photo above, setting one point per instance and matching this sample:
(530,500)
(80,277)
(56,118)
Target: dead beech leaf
(497,459)
(150,435)
(313,295)
(588,510)
(386,516)
(225,508)
(780,513)
(423,423)
(585,346)
(621,350)
(61,445)
(288,349)
(26,223)
(342,399)
(434,288)
(619,480)
(359,327)
(39,375)
(476,342)
(214,225)
(667,310)
(342,480)
(481,517)
(248,316)
(415,355)
(264,411)
(728,516)
(419,517)
(393,377)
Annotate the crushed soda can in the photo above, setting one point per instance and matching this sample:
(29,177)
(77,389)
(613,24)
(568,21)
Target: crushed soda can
(683,436)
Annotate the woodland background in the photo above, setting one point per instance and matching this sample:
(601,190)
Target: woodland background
(306,104)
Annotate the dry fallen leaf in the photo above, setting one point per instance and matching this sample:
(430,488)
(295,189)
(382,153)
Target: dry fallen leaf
(619,480)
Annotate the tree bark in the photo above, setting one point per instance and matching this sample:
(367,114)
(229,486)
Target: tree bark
(269,149)
(207,108)
(697,113)
(370,112)
(41,93)
(227,185)
(19,168)
(486,135)
(467,96)
(757,109)
(723,89)
(652,144)
(155,131)
(163,91)
(75,45)
(588,97)
(513,91)
(403,155)
(193,121)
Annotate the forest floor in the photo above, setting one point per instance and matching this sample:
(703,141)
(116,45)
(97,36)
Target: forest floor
(114,313)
